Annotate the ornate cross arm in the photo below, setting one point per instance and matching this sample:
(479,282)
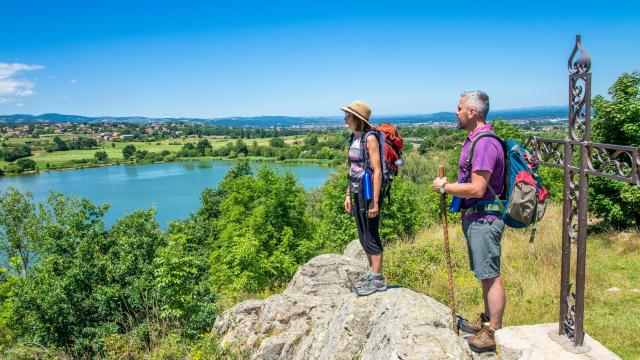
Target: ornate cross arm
(614,162)
(549,152)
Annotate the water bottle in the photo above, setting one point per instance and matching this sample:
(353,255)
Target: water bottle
(456,203)
(367,186)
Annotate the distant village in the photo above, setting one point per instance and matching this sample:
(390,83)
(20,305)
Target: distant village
(99,131)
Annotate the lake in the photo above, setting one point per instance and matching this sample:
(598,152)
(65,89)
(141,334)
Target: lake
(173,188)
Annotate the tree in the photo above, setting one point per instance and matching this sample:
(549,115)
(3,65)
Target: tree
(263,233)
(507,131)
(202,147)
(128,151)
(11,153)
(87,283)
(60,145)
(100,156)
(25,165)
(240,147)
(617,121)
(18,229)
(181,280)
(277,142)
(311,140)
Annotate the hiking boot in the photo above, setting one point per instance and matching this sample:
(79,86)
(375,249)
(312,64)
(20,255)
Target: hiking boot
(483,341)
(371,285)
(366,277)
(472,327)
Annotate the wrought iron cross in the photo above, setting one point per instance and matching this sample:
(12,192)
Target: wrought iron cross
(580,159)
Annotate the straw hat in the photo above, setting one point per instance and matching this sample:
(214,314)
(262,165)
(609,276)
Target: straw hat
(360,110)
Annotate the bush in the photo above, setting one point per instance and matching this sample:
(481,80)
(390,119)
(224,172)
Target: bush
(22,165)
(100,156)
(128,151)
(263,232)
(12,153)
(617,121)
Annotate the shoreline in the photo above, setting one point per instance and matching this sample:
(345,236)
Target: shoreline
(297,161)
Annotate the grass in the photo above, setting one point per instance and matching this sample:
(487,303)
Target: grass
(67,159)
(531,273)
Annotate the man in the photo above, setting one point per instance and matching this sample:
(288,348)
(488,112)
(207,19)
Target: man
(483,231)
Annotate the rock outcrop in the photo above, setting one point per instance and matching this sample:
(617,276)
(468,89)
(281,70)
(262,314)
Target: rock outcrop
(319,317)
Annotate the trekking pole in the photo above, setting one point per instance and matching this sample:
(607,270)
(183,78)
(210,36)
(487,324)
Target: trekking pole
(445,228)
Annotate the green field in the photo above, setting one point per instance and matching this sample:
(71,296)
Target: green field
(66,159)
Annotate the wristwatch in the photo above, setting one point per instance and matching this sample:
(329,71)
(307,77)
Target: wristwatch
(442,188)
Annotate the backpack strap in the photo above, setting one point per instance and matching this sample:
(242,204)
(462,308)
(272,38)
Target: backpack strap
(496,206)
(363,147)
(350,143)
(385,187)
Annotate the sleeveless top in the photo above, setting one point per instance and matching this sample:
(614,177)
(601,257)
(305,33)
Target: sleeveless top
(355,157)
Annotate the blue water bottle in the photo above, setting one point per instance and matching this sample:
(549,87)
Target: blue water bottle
(367,186)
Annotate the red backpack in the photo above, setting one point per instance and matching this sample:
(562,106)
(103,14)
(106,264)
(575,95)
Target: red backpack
(391,149)
(391,146)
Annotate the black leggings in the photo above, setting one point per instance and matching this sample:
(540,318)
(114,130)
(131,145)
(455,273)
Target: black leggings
(368,229)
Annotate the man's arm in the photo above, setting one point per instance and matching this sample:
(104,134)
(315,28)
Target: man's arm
(473,190)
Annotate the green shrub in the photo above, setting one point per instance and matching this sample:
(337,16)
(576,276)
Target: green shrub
(617,121)
(263,232)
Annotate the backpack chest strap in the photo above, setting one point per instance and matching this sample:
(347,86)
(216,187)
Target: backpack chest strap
(486,207)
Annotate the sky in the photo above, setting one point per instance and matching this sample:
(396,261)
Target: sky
(241,58)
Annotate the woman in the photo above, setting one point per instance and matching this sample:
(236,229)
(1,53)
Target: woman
(362,158)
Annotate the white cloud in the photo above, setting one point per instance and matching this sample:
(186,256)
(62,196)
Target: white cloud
(10,85)
(73,81)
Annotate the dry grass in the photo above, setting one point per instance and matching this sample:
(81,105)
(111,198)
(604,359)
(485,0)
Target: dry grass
(531,273)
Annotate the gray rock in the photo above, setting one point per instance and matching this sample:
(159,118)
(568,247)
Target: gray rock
(319,317)
(396,324)
(330,276)
(530,342)
(354,251)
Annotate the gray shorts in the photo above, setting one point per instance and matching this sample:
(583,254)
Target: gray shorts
(483,242)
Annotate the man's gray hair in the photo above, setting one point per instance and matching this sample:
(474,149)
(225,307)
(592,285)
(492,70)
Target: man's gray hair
(478,100)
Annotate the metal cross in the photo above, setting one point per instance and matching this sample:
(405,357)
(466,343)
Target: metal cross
(580,158)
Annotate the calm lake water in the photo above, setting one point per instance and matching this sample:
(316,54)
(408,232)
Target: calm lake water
(173,188)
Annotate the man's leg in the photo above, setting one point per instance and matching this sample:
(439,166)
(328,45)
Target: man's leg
(485,292)
(495,300)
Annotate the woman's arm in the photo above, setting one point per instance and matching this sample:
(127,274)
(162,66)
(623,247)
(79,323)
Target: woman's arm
(373,147)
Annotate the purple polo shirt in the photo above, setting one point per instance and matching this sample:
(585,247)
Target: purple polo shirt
(488,155)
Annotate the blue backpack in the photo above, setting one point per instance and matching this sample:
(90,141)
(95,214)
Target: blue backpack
(523,199)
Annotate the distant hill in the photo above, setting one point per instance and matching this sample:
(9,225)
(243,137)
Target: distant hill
(538,113)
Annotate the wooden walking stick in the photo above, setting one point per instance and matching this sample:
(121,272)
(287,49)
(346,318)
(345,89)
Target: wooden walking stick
(445,228)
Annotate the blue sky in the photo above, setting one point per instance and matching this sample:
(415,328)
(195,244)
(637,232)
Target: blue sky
(216,59)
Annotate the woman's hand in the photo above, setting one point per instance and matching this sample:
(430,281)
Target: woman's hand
(373,210)
(347,204)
